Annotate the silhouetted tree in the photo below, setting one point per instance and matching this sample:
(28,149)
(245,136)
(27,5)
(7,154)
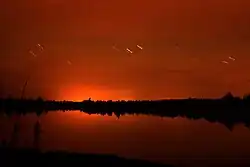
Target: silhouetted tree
(246,97)
(228,96)
(39,99)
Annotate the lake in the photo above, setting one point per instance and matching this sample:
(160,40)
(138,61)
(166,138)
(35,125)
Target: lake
(179,141)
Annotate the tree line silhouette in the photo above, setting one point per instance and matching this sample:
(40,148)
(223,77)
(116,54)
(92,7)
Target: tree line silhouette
(228,110)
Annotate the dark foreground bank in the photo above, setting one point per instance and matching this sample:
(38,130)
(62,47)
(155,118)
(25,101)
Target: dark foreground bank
(30,157)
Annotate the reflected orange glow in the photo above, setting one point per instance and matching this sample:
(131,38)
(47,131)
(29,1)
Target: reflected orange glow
(146,137)
(74,116)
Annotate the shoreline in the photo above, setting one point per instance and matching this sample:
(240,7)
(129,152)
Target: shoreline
(228,111)
(34,157)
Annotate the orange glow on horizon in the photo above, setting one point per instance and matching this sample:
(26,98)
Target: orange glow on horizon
(80,93)
(84,32)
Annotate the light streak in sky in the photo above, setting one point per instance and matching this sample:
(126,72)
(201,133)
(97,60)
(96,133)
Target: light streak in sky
(231,58)
(225,62)
(140,47)
(33,54)
(40,46)
(128,50)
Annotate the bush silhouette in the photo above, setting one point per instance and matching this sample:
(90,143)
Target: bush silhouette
(228,96)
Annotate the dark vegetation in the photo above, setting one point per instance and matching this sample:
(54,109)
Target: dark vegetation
(228,110)
(31,157)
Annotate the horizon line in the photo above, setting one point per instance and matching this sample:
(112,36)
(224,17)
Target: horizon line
(135,100)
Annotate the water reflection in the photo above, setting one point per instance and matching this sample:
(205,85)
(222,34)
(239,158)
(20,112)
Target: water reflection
(228,111)
(229,122)
(14,136)
(37,132)
(170,140)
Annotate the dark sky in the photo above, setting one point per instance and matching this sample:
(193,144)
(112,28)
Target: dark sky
(84,31)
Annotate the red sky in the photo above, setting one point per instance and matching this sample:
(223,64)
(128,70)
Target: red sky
(84,31)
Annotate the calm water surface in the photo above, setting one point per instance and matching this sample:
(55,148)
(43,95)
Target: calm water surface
(168,140)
